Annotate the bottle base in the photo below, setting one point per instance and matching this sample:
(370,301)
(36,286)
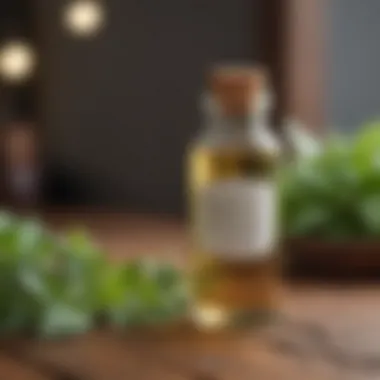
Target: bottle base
(212,318)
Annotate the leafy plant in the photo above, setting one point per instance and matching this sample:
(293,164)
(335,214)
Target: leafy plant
(336,194)
(303,142)
(54,286)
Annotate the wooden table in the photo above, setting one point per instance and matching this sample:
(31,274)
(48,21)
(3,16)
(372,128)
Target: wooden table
(324,333)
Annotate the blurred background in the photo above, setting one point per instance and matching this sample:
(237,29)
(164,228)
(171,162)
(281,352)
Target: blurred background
(99,100)
(105,93)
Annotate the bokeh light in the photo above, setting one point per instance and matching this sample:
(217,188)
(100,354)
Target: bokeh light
(84,18)
(17,61)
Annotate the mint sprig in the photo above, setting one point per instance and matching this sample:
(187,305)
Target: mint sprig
(335,194)
(54,286)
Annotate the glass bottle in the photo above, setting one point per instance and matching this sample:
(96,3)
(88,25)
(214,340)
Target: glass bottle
(233,202)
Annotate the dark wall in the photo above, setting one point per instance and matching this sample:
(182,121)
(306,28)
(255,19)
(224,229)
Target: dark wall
(16,22)
(119,110)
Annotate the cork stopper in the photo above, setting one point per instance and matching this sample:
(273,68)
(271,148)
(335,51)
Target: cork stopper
(237,89)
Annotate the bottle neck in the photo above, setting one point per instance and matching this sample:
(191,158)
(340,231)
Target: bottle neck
(256,119)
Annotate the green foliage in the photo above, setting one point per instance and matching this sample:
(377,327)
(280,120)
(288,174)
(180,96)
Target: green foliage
(336,195)
(54,286)
(154,293)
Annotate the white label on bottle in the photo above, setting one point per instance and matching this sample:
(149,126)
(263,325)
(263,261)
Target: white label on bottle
(237,218)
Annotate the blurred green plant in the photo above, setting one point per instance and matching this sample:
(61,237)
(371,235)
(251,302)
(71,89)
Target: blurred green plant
(53,286)
(335,194)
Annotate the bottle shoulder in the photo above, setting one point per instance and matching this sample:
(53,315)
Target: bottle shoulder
(259,142)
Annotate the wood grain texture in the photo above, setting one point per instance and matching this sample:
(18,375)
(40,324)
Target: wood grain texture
(322,334)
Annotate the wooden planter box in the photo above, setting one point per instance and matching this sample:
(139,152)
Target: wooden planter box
(350,260)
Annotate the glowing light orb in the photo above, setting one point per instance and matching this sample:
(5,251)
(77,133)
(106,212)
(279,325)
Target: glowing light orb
(84,18)
(17,61)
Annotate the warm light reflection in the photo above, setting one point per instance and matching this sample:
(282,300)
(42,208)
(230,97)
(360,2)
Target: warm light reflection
(84,18)
(17,61)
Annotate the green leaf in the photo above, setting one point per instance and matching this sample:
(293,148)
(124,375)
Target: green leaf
(78,241)
(61,320)
(370,213)
(366,149)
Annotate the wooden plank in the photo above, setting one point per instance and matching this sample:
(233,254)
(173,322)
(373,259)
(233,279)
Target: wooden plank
(189,353)
(11,369)
(291,355)
(304,53)
(97,357)
(324,334)
(230,357)
(339,261)
(126,236)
